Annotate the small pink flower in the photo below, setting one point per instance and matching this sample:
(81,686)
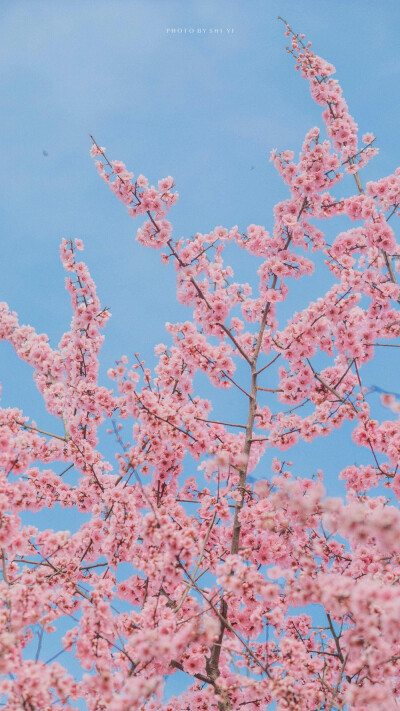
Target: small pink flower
(368,138)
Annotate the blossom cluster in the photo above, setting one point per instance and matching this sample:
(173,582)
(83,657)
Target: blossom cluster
(259,591)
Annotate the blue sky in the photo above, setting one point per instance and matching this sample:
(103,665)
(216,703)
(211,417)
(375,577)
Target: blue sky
(205,108)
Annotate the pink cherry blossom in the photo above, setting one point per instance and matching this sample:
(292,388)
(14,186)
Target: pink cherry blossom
(202,551)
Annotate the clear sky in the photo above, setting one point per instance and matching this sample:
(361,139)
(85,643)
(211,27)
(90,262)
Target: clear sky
(204,107)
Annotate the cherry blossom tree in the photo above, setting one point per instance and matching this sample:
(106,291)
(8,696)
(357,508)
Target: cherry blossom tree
(261,591)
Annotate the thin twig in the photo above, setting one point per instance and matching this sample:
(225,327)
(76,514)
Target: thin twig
(36,429)
(192,579)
